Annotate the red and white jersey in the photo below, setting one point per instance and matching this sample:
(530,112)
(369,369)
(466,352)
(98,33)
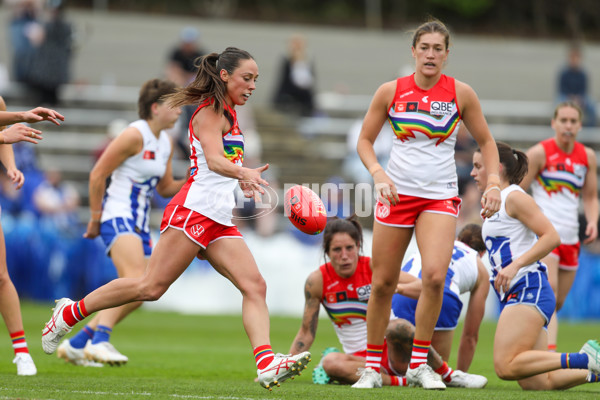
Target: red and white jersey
(558,185)
(345,300)
(425,123)
(207,192)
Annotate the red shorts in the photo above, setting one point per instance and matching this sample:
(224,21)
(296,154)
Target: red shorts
(405,213)
(200,229)
(568,256)
(385,360)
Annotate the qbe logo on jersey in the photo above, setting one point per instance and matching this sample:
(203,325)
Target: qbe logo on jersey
(363,292)
(441,108)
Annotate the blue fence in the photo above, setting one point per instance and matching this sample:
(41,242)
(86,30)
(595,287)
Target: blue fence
(45,264)
(583,302)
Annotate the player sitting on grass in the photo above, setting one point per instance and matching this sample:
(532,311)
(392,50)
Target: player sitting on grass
(343,286)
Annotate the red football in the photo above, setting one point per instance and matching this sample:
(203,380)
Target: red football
(305,209)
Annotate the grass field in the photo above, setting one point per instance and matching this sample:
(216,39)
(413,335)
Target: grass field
(209,357)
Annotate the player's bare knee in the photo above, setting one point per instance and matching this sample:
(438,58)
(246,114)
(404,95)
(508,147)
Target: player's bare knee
(333,364)
(4,278)
(329,363)
(255,287)
(384,288)
(504,371)
(151,291)
(434,281)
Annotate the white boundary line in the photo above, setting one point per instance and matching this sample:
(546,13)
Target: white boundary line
(149,394)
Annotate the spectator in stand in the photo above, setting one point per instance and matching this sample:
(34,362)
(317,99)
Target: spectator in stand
(51,59)
(24,25)
(295,90)
(181,69)
(181,66)
(573,85)
(57,200)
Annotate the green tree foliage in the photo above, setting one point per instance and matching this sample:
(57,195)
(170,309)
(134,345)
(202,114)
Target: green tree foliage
(465,8)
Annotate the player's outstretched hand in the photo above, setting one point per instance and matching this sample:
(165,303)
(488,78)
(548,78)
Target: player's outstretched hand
(42,114)
(252,181)
(20,133)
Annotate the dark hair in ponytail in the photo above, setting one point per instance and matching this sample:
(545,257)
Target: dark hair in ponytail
(208,83)
(515,163)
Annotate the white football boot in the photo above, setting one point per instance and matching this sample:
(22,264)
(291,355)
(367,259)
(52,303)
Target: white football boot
(75,356)
(424,377)
(465,380)
(25,364)
(104,352)
(369,379)
(592,349)
(56,328)
(281,368)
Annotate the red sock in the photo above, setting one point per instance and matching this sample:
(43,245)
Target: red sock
(18,342)
(263,356)
(74,313)
(419,353)
(445,371)
(374,353)
(398,380)
(552,347)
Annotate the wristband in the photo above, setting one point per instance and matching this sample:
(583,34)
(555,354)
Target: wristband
(494,187)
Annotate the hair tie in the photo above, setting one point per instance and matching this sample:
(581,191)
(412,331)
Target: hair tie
(515,154)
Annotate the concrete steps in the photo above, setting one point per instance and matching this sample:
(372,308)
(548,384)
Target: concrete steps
(296,157)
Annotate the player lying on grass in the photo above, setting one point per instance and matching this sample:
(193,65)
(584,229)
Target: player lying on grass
(343,286)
